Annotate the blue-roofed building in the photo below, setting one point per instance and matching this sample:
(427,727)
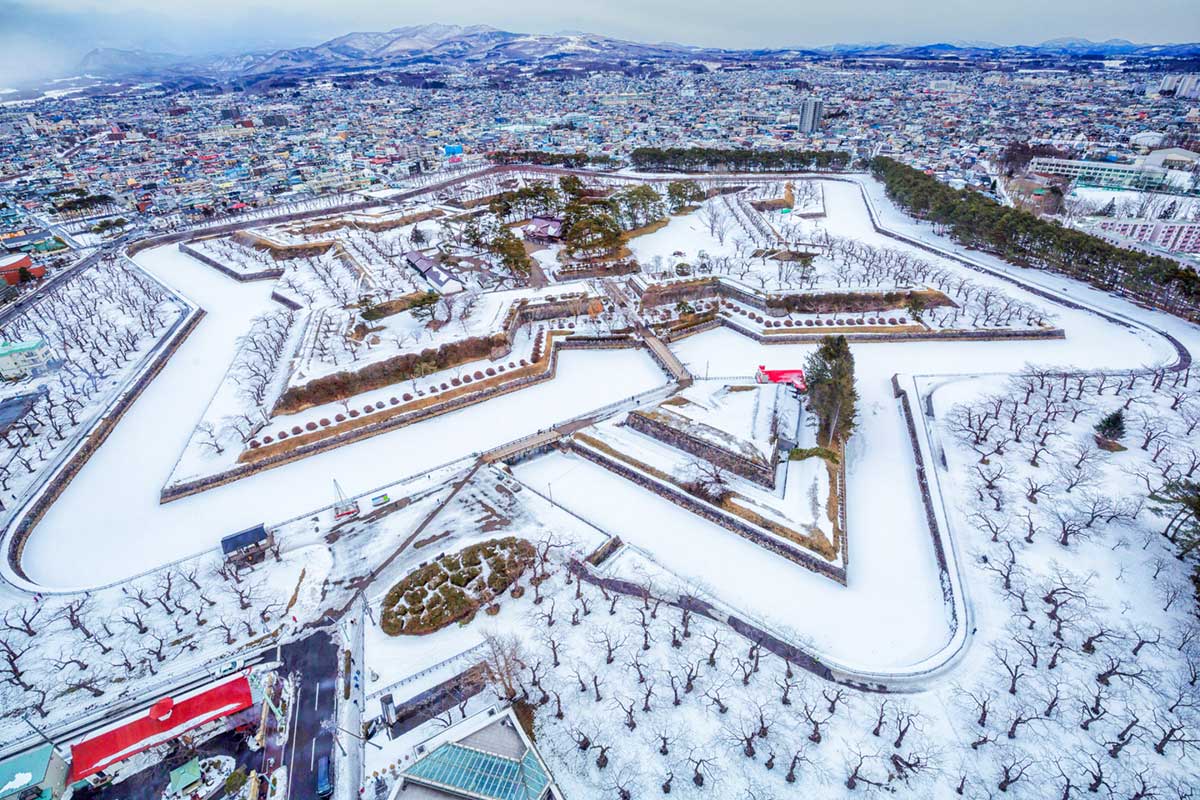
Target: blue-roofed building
(13,409)
(37,774)
(249,545)
(484,757)
(243,539)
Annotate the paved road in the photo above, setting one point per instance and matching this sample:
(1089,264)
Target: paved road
(315,659)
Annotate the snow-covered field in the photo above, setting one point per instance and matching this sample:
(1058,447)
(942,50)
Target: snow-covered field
(117,496)
(744,729)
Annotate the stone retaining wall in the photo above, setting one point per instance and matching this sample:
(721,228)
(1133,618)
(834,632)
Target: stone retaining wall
(762,474)
(683,333)
(231,227)
(286,301)
(934,529)
(599,271)
(243,277)
(843,503)
(922,336)
(714,288)
(773,304)
(708,512)
(518,316)
(93,441)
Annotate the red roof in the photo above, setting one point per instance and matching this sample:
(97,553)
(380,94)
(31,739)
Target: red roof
(795,377)
(13,263)
(163,721)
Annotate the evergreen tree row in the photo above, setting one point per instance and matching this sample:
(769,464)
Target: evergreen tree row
(543,159)
(1023,238)
(692,159)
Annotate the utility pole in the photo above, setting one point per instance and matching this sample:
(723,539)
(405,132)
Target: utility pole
(42,734)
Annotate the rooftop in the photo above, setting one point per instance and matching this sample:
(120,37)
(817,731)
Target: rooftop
(24,770)
(8,348)
(485,757)
(473,773)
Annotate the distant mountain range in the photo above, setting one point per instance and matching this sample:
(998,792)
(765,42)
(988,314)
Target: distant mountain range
(482,45)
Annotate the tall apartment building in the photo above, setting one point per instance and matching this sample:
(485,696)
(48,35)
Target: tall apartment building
(1176,236)
(811,111)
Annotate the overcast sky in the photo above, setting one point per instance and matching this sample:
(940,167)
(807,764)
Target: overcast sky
(37,36)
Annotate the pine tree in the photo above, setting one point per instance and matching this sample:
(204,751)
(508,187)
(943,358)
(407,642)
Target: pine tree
(1182,498)
(915,306)
(1113,426)
(829,373)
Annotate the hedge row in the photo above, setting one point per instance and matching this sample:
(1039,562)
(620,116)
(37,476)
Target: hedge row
(345,384)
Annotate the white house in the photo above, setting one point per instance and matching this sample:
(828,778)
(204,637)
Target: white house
(22,359)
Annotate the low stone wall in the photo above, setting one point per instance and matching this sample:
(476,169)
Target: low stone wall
(604,551)
(934,529)
(243,277)
(237,225)
(284,251)
(762,474)
(708,512)
(286,301)
(93,441)
(692,330)
(843,503)
(774,304)
(599,343)
(376,225)
(535,312)
(919,336)
(239,471)
(599,271)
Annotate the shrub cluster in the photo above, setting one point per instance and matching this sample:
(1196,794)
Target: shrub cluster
(341,385)
(453,587)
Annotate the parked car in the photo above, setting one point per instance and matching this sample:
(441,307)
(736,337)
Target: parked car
(324,782)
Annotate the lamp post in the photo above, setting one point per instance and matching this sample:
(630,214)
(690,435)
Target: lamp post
(332,727)
(42,734)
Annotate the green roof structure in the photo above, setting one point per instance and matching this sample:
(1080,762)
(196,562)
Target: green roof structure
(467,772)
(20,772)
(8,348)
(184,776)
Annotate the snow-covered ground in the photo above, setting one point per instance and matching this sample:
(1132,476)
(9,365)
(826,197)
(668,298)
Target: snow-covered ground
(116,495)
(893,596)
(891,617)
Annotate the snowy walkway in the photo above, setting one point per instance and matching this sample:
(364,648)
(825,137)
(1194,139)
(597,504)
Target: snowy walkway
(891,615)
(111,509)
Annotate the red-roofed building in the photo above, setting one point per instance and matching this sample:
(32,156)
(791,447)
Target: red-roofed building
(791,377)
(164,721)
(11,266)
